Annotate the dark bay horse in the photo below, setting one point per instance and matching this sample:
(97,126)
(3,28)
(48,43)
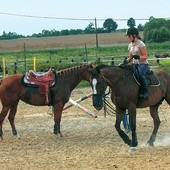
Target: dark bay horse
(12,90)
(124,95)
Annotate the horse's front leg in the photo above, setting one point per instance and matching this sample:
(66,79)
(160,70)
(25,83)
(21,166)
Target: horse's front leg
(119,118)
(132,121)
(57,118)
(156,121)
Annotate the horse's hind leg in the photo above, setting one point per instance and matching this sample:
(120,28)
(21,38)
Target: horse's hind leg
(11,118)
(3,114)
(57,118)
(156,121)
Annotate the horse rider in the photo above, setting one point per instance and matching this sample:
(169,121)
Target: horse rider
(138,55)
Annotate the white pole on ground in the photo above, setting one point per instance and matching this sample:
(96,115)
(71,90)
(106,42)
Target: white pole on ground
(78,100)
(82,108)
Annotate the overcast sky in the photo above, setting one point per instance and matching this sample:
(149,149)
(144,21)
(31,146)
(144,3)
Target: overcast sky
(75,9)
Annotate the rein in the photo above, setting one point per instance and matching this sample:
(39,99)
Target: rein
(108,107)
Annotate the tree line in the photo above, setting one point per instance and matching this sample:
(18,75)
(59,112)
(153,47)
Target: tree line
(155,30)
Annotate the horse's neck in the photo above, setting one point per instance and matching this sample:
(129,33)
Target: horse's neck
(72,77)
(116,76)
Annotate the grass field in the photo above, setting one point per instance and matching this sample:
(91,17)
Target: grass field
(71,41)
(61,50)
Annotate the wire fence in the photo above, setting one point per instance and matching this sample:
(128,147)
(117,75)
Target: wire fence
(21,66)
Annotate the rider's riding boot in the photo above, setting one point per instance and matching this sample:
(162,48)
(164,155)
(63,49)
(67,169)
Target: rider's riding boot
(144,90)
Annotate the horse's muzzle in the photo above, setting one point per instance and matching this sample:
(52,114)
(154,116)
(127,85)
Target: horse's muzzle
(98,101)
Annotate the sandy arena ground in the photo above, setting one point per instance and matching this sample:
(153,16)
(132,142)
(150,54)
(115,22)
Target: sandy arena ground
(88,143)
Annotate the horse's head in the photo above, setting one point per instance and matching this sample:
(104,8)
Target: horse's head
(86,71)
(99,86)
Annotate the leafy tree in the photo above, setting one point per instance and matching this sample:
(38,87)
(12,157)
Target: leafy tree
(151,18)
(90,29)
(55,33)
(109,25)
(77,31)
(157,30)
(131,22)
(10,35)
(46,33)
(65,32)
(159,35)
(168,24)
(155,23)
(101,30)
(140,27)
(164,34)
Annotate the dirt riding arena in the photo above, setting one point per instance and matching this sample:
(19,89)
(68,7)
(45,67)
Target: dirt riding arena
(88,143)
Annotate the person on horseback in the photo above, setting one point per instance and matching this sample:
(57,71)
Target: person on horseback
(138,55)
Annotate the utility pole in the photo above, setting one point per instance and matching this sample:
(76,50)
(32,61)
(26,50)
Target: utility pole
(25,58)
(86,53)
(97,45)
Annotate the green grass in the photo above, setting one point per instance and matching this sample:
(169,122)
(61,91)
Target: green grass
(165,65)
(68,57)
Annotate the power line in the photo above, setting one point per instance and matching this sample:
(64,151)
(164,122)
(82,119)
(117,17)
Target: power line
(60,18)
(42,17)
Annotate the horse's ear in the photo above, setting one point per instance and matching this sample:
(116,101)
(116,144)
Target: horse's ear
(90,68)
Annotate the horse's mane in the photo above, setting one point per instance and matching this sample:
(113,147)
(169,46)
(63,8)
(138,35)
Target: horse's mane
(126,67)
(71,70)
(123,67)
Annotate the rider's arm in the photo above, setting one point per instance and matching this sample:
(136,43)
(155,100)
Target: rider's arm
(130,57)
(144,55)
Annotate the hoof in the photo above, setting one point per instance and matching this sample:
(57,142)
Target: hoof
(150,144)
(14,132)
(1,135)
(18,136)
(132,149)
(58,134)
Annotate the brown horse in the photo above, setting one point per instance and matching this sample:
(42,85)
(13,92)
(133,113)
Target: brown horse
(125,96)
(12,90)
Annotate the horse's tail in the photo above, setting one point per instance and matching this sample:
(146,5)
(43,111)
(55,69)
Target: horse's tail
(1,81)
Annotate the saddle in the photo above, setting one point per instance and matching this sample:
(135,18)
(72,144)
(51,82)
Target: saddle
(44,81)
(152,79)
